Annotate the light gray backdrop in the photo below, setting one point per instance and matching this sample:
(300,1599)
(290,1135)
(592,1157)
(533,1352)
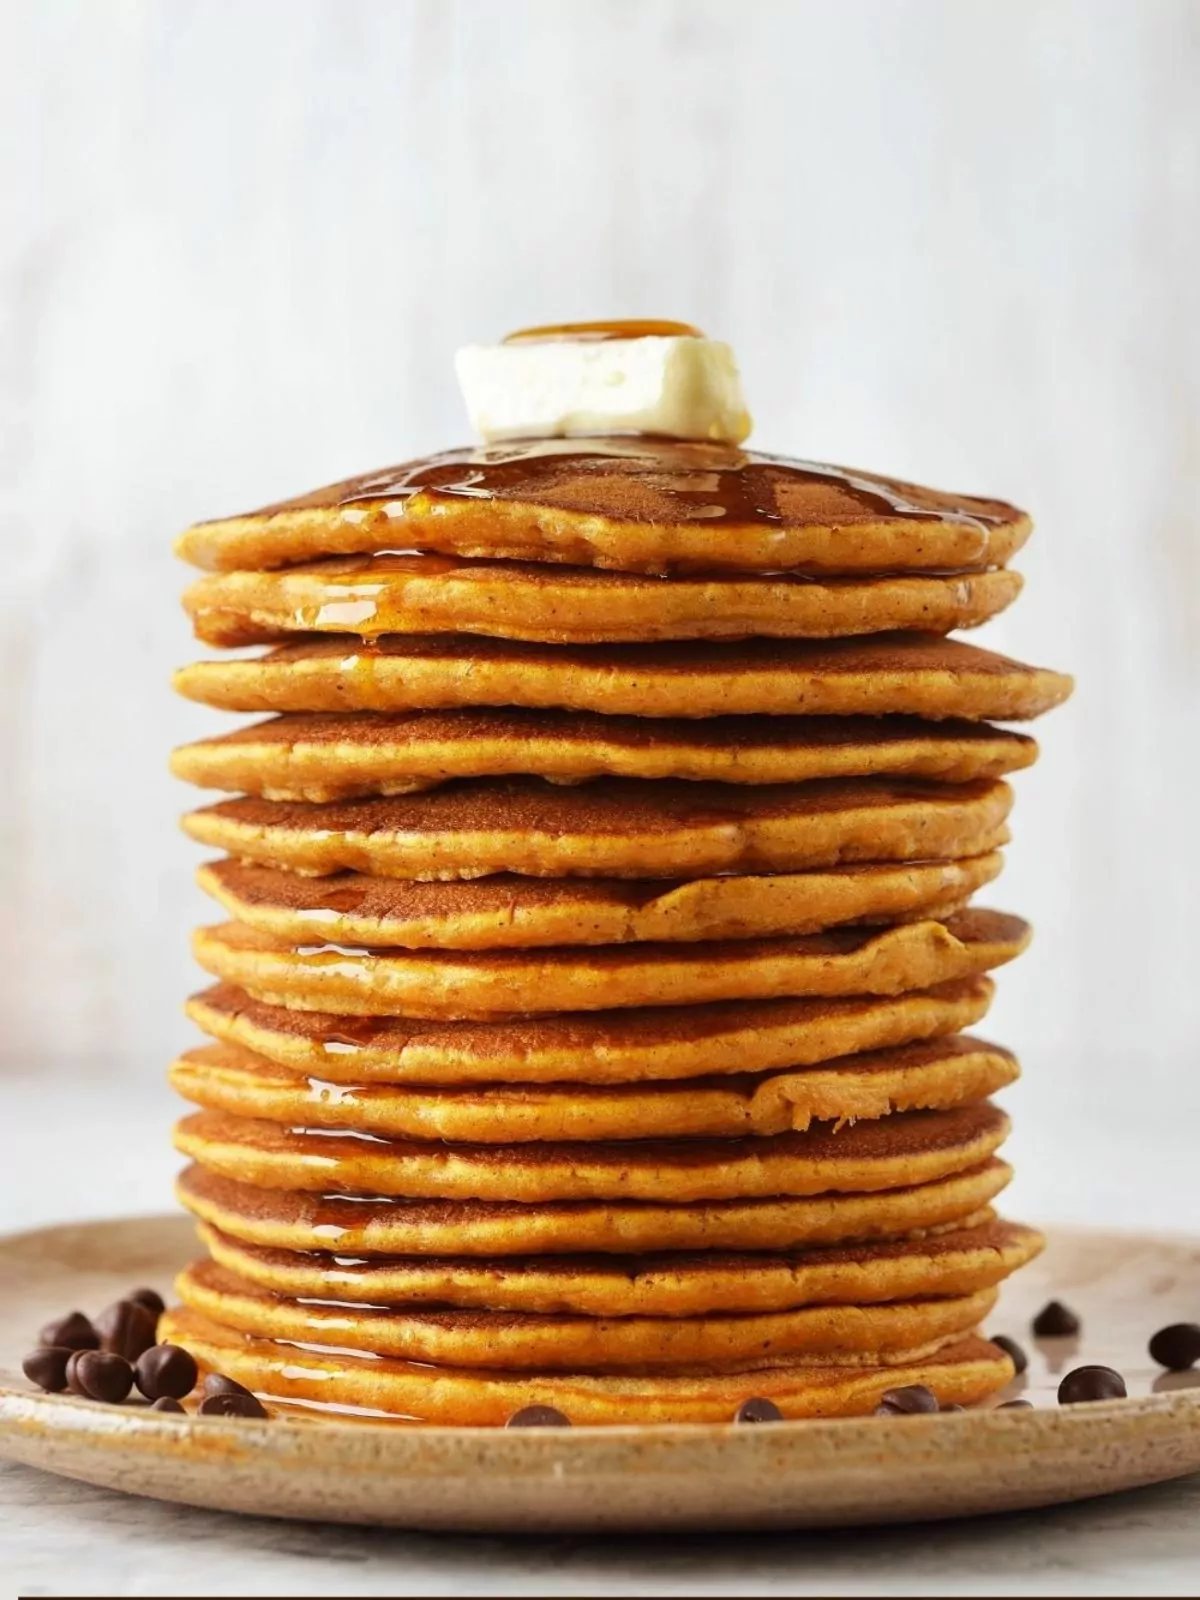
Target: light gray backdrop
(953,239)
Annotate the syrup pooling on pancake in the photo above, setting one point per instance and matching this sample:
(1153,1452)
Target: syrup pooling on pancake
(483,984)
(912,674)
(332,757)
(373,595)
(634,503)
(926,1074)
(653,1045)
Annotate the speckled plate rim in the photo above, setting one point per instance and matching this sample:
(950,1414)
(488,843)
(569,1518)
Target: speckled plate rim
(801,1474)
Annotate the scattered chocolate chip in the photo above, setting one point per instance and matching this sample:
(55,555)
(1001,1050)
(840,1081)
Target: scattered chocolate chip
(99,1375)
(47,1367)
(165,1371)
(756,1409)
(168,1402)
(150,1298)
(1176,1347)
(218,1383)
(1014,1405)
(1055,1321)
(72,1332)
(954,1408)
(909,1401)
(1012,1350)
(1090,1383)
(126,1329)
(232,1405)
(538,1417)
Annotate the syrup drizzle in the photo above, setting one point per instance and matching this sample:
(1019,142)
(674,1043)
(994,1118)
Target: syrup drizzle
(591,332)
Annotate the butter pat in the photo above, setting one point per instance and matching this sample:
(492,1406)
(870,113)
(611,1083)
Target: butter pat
(681,387)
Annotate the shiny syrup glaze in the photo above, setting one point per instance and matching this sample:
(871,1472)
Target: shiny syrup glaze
(593,332)
(708,482)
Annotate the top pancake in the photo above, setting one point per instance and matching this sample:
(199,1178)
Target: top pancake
(917,674)
(635,504)
(374,595)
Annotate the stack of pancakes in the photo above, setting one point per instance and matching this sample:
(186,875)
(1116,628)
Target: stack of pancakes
(587,1029)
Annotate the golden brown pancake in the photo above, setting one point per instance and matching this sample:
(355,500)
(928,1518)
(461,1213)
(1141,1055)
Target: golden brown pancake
(634,504)
(818,1336)
(467,985)
(615,827)
(894,1152)
(924,1075)
(657,1044)
(374,1226)
(913,674)
(328,756)
(373,595)
(953,1261)
(509,912)
(961,1373)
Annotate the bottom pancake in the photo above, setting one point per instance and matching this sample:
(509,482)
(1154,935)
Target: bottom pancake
(822,1335)
(953,1261)
(962,1372)
(370,1226)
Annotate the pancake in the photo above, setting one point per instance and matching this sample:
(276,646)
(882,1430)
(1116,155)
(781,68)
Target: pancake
(911,674)
(375,1226)
(955,1261)
(963,1372)
(895,1152)
(469,985)
(656,1044)
(633,504)
(927,1074)
(819,1336)
(509,912)
(372,595)
(328,756)
(615,827)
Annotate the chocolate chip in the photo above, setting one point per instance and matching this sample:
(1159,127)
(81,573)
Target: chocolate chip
(1055,1321)
(953,1408)
(1176,1347)
(72,1332)
(168,1402)
(218,1383)
(1090,1383)
(126,1329)
(1015,1405)
(165,1371)
(1012,1350)
(150,1298)
(47,1367)
(538,1417)
(232,1405)
(756,1409)
(909,1401)
(99,1375)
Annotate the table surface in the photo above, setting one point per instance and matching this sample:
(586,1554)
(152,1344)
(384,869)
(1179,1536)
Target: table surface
(62,1538)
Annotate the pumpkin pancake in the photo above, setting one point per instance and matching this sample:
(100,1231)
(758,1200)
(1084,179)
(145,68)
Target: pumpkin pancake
(927,1074)
(656,1044)
(629,503)
(508,912)
(467,985)
(912,674)
(961,1372)
(954,1261)
(372,595)
(615,827)
(328,756)
(893,1152)
(820,1336)
(378,1226)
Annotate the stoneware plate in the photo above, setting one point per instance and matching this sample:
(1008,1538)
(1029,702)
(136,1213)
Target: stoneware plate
(786,1475)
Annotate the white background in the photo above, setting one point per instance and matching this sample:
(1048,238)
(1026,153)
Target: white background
(957,240)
